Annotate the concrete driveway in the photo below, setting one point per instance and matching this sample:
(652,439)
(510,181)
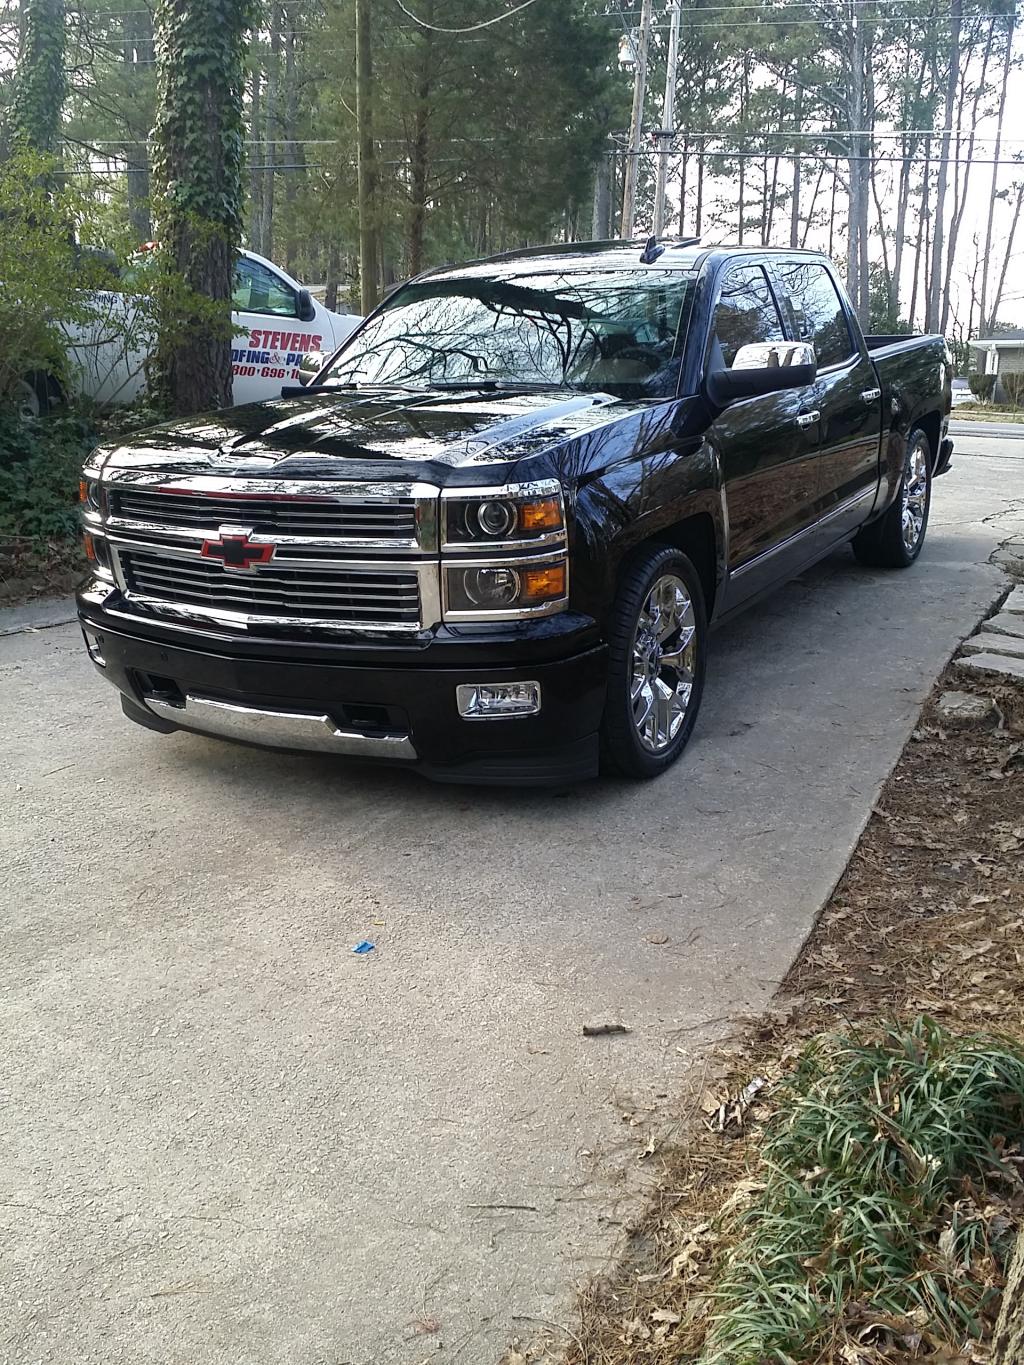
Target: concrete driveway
(226,1138)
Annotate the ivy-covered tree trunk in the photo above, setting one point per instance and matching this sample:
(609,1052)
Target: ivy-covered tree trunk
(197,169)
(41,78)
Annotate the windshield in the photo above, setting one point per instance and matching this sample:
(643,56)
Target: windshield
(609,331)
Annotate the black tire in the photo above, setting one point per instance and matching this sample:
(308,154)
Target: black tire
(885,544)
(623,750)
(37,394)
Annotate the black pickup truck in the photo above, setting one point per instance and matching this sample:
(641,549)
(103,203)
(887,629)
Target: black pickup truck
(490,536)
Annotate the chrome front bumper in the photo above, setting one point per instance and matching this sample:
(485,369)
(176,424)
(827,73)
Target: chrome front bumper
(277,729)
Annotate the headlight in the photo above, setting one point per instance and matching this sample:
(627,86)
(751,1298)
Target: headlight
(90,495)
(504,551)
(517,515)
(493,591)
(97,552)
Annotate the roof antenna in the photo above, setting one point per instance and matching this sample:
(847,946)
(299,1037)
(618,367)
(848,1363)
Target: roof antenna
(651,251)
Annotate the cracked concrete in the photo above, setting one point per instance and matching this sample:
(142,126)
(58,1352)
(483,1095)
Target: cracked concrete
(224,1137)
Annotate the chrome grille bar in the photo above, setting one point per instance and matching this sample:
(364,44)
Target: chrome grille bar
(342,595)
(346,556)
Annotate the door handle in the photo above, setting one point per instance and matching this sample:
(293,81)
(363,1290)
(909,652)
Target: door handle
(871,395)
(808,419)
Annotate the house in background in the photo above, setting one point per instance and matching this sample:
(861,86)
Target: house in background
(1001,355)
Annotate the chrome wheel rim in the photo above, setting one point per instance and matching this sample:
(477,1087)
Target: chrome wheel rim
(915,495)
(664,663)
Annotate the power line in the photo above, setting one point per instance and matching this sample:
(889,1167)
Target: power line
(724,153)
(821,135)
(437,28)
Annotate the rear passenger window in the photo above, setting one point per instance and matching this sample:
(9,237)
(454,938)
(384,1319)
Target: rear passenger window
(746,313)
(818,313)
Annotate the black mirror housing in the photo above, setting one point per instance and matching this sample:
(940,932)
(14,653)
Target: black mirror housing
(724,386)
(307,308)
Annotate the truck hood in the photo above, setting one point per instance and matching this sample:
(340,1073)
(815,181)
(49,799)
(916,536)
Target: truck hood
(383,435)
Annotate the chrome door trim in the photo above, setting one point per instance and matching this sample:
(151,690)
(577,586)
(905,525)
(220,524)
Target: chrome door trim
(868,496)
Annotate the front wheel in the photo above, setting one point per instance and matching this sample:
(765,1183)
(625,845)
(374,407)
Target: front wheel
(894,541)
(657,654)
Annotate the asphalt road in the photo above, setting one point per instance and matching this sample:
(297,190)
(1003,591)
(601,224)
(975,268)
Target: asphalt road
(224,1137)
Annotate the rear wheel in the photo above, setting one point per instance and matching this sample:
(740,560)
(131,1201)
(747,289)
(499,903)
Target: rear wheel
(657,652)
(36,394)
(895,540)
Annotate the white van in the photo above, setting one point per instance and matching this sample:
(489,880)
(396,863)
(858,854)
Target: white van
(277,321)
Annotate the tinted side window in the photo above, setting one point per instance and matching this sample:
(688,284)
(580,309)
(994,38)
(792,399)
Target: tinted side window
(259,290)
(817,311)
(746,312)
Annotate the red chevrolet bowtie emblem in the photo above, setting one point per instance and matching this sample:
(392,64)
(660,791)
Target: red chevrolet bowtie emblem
(238,551)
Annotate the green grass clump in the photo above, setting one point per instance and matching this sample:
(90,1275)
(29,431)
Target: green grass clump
(884,1176)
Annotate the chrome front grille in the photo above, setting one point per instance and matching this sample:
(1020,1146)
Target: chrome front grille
(326,593)
(268,515)
(330,555)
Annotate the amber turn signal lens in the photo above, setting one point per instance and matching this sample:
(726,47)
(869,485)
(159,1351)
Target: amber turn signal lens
(90,548)
(545,514)
(83,491)
(542,585)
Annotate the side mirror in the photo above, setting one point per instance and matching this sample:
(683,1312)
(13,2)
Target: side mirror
(307,308)
(764,367)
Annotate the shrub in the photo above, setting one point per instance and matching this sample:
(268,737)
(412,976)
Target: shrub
(48,281)
(870,1205)
(982,386)
(40,462)
(1014,386)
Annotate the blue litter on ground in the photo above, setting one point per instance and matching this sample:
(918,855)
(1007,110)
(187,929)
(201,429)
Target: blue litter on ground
(365,947)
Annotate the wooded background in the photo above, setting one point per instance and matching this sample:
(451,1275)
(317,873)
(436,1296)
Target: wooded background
(876,130)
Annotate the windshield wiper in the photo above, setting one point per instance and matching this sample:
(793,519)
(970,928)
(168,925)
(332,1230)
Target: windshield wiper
(504,385)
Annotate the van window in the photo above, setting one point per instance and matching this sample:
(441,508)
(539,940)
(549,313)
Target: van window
(746,312)
(817,311)
(259,290)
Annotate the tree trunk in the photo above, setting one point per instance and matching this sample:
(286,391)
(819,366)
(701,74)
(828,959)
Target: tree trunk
(859,164)
(369,252)
(601,226)
(1008,1338)
(293,154)
(272,126)
(197,167)
(419,152)
(137,53)
(938,288)
(794,203)
(682,187)
(41,77)
(255,181)
(1007,60)
(333,274)
(910,145)
(920,285)
(997,297)
(744,81)
(962,186)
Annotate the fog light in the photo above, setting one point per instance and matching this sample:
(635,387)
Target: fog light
(94,644)
(498,701)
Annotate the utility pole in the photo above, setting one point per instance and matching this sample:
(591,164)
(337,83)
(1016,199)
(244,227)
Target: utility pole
(668,120)
(367,174)
(636,122)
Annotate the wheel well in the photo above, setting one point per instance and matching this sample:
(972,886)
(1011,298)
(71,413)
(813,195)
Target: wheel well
(930,425)
(696,538)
